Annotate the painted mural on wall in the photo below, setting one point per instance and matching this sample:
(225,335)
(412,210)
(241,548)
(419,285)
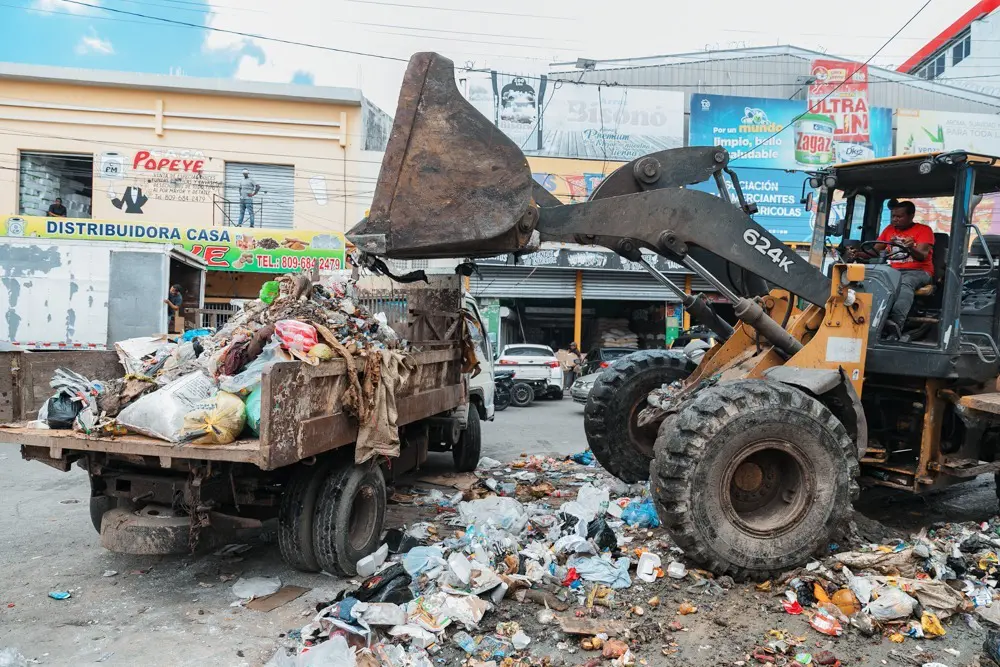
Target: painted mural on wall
(135,180)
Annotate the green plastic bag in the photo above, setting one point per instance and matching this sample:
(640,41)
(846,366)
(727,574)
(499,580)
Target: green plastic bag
(253,410)
(269,291)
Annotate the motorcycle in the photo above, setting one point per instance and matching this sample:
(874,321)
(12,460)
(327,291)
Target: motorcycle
(504,382)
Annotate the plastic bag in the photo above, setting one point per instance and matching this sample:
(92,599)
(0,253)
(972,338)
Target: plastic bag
(217,421)
(62,411)
(253,410)
(161,413)
(334,651)
(256,587)
(423,559)
(891,604)
(601,532)
(641,513)
(269,291)
(596,569)
(244,382)
(590,502)
(11,657)
(295,335)
(507,513)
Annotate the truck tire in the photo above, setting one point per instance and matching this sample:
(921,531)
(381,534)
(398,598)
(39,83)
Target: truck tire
(619,394)
(98,506)
(753,477)
(522,395)
(350,511)
(470,444)
(295,516)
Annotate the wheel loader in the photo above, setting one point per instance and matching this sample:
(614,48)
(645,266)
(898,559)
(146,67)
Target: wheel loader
(755,456)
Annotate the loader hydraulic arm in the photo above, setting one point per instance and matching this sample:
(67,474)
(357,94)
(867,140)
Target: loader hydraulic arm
(670,221)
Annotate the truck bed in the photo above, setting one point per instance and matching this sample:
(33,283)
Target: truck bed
(301,409)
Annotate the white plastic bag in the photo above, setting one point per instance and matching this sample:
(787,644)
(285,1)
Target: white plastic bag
(334,651)
(507,513)
(249,379)
(161,413)
(589,502)
(256,587)
(891,604)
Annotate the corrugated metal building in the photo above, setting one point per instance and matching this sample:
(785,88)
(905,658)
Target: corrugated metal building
(771,71)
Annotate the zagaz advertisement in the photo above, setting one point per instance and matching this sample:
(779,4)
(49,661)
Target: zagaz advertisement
(222,248)
(782,134)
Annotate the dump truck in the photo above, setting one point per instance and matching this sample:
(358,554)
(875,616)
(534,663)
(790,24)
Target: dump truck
(154,497)
(755,457)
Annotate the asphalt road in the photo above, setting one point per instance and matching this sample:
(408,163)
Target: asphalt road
(171,610)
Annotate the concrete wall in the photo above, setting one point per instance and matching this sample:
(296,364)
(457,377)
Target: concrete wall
(189,137)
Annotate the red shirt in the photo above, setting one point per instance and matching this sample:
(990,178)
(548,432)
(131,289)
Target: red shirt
(920,234)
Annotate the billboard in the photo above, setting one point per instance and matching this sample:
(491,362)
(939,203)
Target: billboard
(777,194)
(569,180)
(223,248)
(840,91)
(921,131)
(551,118)
(780,134)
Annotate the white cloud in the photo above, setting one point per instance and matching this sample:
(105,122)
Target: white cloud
(93,44)
(60,6)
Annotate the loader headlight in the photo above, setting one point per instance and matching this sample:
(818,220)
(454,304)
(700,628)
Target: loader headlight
(830,181)
(926,167)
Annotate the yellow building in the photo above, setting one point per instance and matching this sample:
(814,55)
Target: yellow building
(166,149)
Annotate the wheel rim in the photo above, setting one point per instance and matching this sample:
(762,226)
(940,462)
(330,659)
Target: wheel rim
(643,437)
(521,394)
(364,515)
(768,489)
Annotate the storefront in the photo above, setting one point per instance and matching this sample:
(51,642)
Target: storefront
(583,294)
(148,149)
(237,260)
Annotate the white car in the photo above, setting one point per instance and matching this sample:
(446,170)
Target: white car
(535,364)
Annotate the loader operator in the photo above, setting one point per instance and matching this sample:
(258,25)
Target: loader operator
(913,260)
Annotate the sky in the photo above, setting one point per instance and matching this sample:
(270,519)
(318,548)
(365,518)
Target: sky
(520,36)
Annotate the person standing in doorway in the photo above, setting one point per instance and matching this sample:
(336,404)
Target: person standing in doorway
(173,301)
(248,189)
(570,360)
(56,209)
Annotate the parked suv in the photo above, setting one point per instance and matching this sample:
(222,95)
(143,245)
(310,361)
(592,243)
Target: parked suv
(535,364)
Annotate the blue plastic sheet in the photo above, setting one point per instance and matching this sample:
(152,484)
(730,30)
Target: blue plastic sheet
(191,334)
(641,513)
(599,570)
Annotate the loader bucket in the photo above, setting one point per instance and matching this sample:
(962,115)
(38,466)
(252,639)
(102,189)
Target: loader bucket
(451,184)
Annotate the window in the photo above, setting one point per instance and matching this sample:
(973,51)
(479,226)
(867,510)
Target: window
(274,203)
(962,49)
(45,177)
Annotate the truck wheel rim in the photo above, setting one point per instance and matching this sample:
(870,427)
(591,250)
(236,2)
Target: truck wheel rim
(364,515)
(767,490)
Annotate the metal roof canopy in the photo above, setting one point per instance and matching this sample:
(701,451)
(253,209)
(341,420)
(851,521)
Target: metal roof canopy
(900,176)
(741,72)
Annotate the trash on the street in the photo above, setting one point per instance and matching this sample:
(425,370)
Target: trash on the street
(255,587)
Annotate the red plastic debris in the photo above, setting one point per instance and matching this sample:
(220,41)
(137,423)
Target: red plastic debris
(792,607)
(571,576)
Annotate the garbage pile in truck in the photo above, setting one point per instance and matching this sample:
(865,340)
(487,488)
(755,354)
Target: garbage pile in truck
(517,567)
(205,387)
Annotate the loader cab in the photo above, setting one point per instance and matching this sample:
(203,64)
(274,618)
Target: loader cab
(953,324)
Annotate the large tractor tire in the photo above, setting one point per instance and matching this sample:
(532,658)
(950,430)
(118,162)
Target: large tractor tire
(619,395)
(350,512)
(752,477)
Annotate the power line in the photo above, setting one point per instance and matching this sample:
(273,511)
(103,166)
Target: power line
(835,88)
(462,10)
